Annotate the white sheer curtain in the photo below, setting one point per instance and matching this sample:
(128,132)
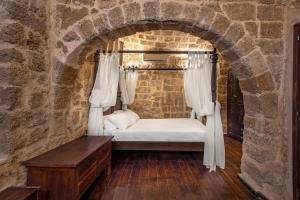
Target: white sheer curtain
(128,82)
(197,87)
(104,93)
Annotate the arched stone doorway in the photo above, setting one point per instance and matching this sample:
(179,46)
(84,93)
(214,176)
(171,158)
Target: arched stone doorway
(235,41)
(50,42)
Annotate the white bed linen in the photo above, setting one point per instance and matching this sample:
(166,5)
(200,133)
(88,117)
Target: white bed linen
(170,130)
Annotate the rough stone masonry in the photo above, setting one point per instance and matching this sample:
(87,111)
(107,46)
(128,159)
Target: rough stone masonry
(46,66)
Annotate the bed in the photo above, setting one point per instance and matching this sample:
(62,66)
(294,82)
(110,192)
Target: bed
(180,134)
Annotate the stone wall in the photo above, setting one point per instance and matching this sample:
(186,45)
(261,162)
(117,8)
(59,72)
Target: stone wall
(222,83)
(30,122)
(160,94)
(24,86)
(55,37)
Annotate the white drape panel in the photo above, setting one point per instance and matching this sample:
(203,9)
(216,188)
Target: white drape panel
(214,150)
(104,93)
(197,84)
(128,82)
(197,87)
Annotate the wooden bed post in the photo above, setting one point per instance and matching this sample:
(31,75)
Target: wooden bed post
(214,60)
(96,60)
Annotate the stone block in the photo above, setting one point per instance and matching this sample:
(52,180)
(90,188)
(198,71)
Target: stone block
(271,127)
(219,25)
(132,12)
(71,36)
(18,139)
(271,30)
(252,28)
(14,75)
(257,139)
(234,33)
(62,96)
(230,55)
(249,85)
(269,13)
(248,166)
(37,62)
(205,16)
(84,2)
(101,23)
(10,121)
(271,46)
(11,97)
(13,33)
(276,66)
(190,12)
(76,117)
(266,1)
(33,118)
(249,122)
(269,105)
(245,46)
(69,16)
(18,11)
(260,155)
(240,11)
(171,10)
(64,74)
(265,82)
(86,29)
(11,55)
(106,4)
(37,134)
(116,17)
(35,42)
(241,68)
(252,105)
(37,99)
(258,63)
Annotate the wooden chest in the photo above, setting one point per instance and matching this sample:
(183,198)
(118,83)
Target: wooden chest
(67,171)
(19,193)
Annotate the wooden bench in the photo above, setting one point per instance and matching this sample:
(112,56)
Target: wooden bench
(67,171)
(19,193)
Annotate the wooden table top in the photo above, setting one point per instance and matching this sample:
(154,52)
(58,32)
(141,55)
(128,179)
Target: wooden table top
(17,193)
(69,154)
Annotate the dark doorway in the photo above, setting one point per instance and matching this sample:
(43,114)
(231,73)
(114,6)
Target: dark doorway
(235,108)
(296,105)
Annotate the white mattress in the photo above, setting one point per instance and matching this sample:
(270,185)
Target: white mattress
(171,130)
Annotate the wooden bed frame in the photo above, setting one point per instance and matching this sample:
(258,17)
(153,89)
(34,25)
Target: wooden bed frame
(158,146)
(150,145)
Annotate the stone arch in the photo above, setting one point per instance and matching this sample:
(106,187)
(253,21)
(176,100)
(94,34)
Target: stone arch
(235,44)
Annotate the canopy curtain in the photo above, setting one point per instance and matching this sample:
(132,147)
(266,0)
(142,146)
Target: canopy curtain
(197,89)
(104,93)
(128,82)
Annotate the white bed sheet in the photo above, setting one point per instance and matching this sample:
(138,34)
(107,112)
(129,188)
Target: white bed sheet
(171,130)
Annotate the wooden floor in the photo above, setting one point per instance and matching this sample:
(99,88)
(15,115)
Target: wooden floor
(171,175)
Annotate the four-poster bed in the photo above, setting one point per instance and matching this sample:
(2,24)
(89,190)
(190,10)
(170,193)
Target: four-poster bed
(161,134)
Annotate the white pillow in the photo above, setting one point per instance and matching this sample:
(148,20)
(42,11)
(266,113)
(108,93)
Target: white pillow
(132,115)
(120,120)
(118,111)
(123,119)
(108,125)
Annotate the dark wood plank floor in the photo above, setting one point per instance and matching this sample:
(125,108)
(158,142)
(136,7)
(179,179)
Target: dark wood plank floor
(171,175)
